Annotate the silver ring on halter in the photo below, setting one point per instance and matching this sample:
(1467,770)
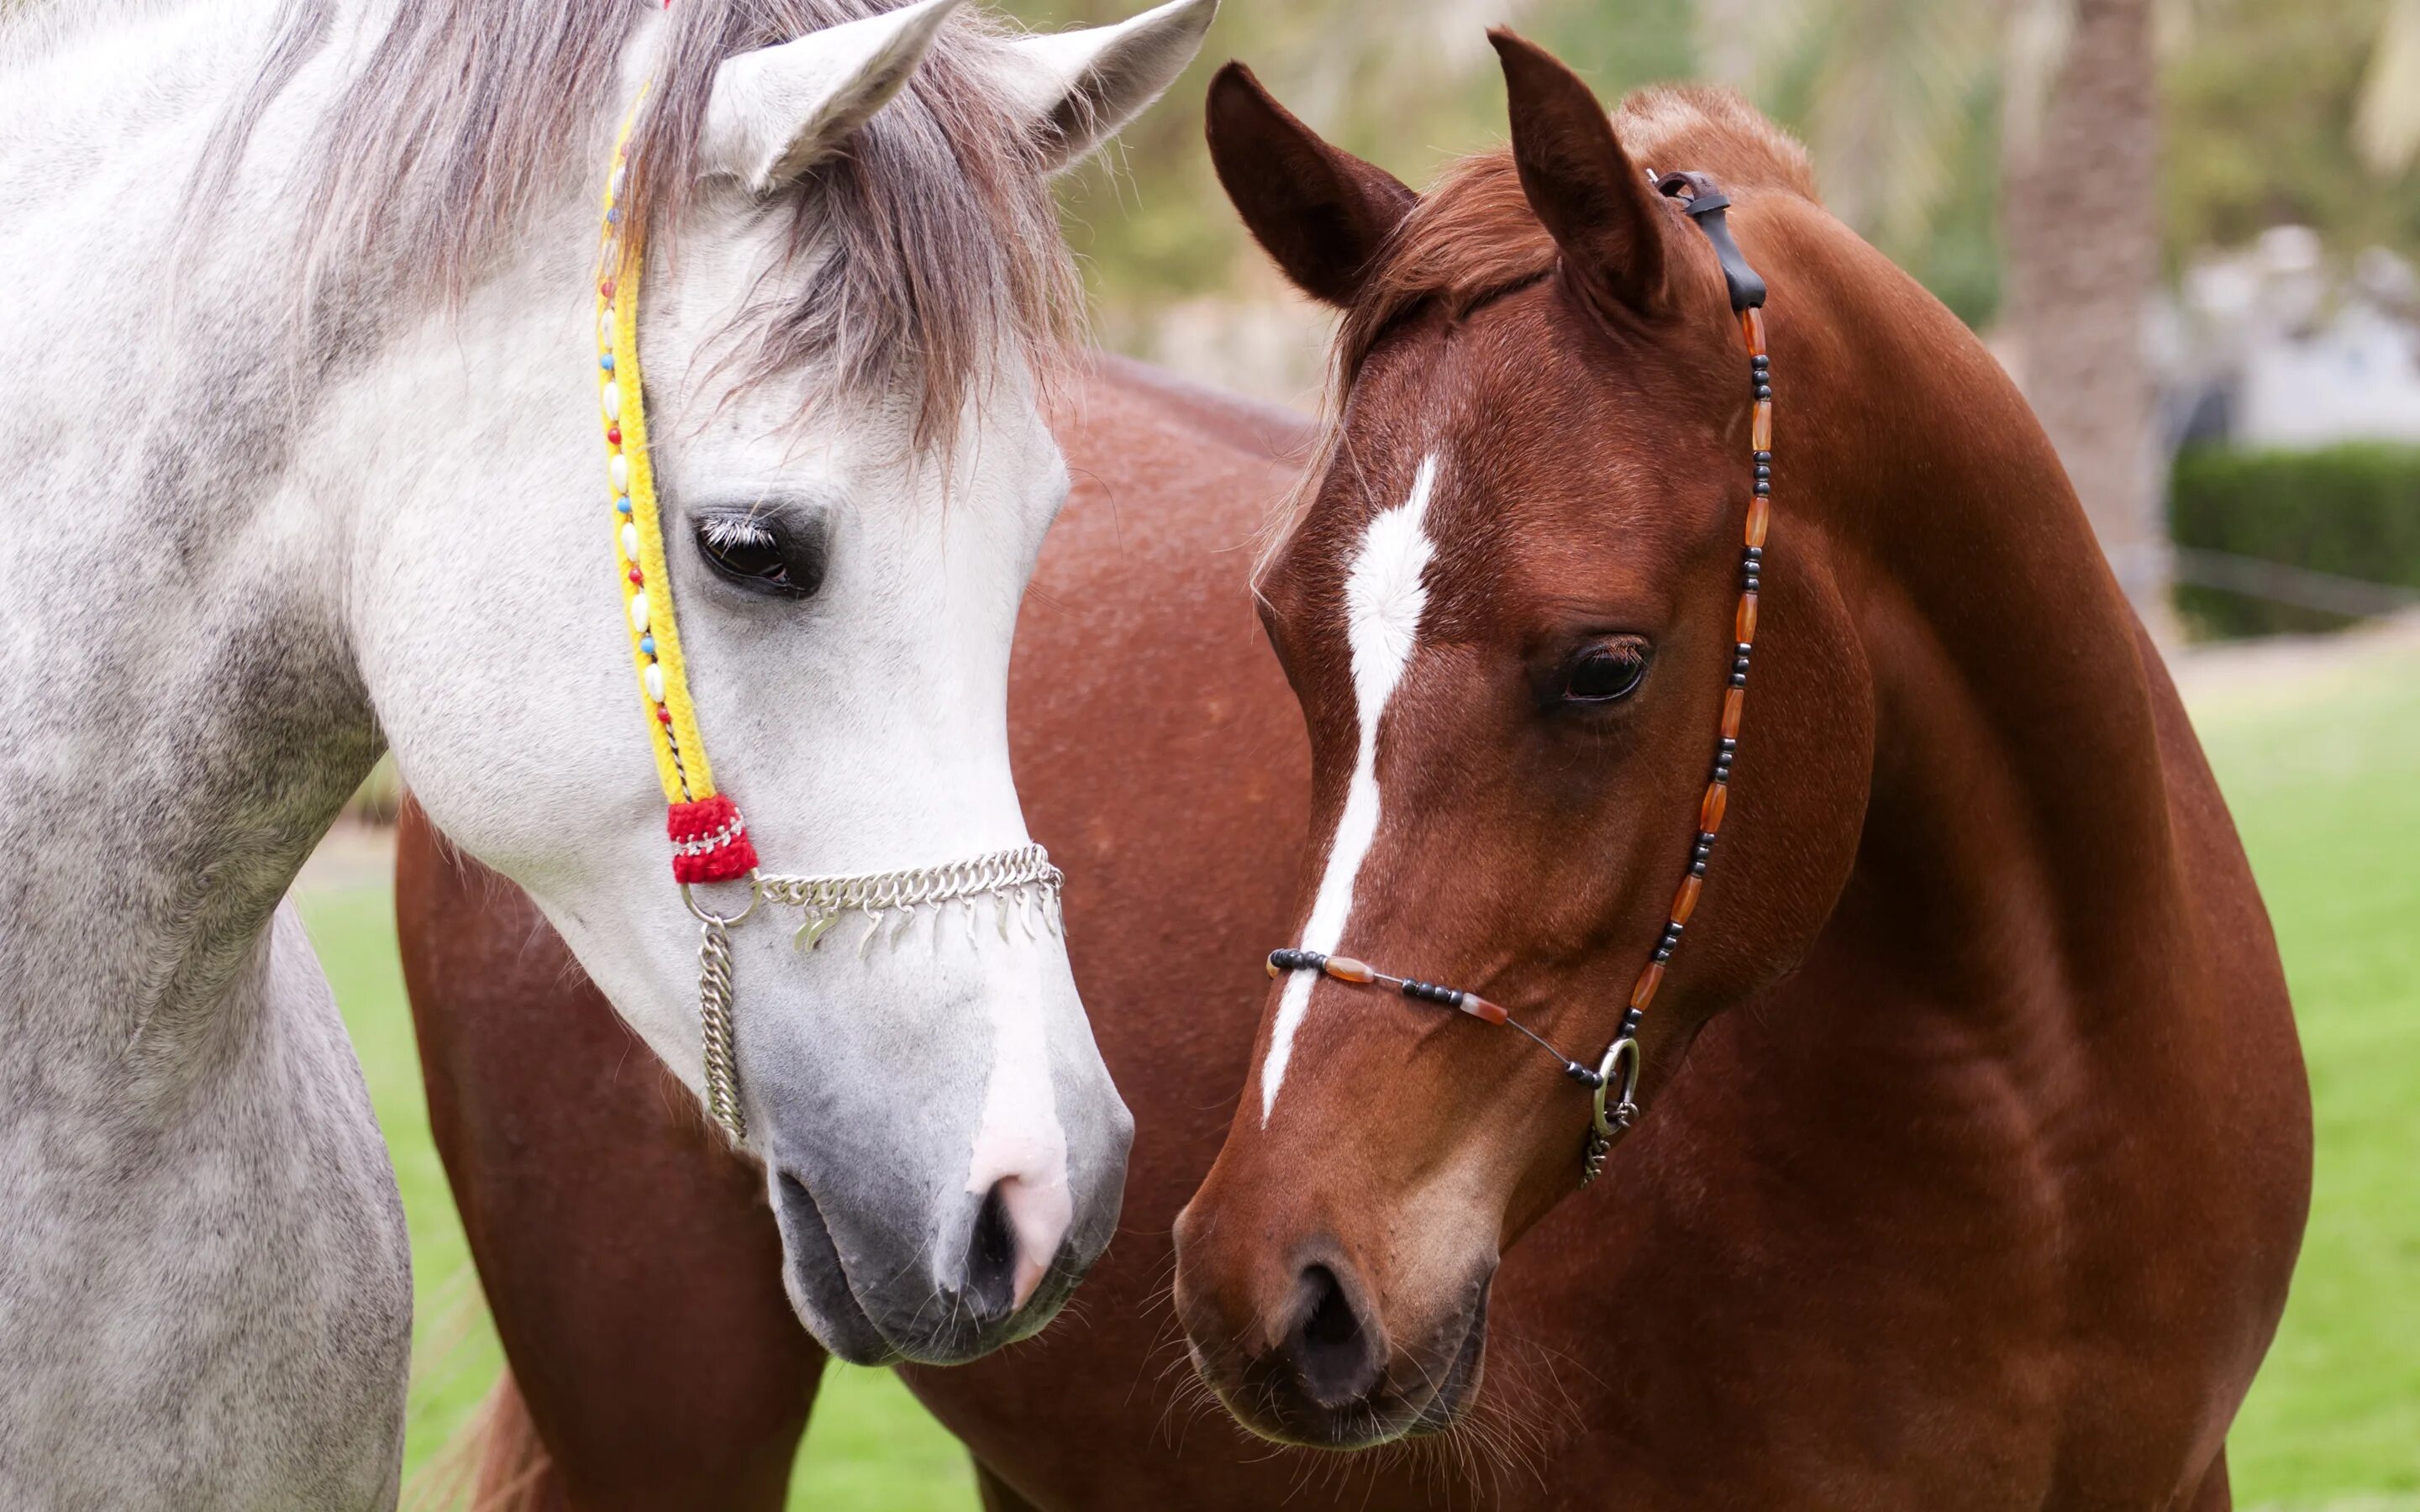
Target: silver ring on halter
(1622,1053)
(756,896)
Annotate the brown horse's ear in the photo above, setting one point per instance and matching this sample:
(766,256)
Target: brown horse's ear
(1596,203)
(1321,213)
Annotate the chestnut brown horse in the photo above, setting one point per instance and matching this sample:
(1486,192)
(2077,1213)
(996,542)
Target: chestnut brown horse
(1976,1145)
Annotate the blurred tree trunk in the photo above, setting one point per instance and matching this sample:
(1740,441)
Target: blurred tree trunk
(2081,219)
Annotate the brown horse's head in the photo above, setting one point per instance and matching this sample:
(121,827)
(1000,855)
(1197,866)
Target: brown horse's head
(1506,608)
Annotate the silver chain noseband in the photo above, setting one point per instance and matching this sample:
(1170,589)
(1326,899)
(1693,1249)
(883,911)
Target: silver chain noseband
(1021,882)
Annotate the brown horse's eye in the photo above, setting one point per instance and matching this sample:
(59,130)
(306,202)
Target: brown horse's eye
(1604,672)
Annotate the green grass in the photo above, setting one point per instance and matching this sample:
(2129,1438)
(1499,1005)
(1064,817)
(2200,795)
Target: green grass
(453,1352)
(2319,773)
(870,1446)
(2319,768)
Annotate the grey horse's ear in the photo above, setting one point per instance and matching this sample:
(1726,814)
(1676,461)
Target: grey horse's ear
(1077,89)
(779,111)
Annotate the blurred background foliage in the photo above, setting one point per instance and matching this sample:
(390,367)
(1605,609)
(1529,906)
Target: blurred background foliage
(1902,102)
(2352,516)
(2262,99)
(1407,83)
(2102,154)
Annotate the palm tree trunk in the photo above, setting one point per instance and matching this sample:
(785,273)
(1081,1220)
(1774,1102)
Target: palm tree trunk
(2082,212)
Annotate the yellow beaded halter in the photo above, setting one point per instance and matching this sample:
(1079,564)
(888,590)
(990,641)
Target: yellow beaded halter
(710,842)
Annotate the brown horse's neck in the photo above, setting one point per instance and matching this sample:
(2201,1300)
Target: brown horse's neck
(2018,855)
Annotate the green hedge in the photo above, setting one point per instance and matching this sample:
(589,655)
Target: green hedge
(2353,510)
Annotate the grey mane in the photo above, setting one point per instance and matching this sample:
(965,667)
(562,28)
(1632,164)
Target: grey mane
(936,234)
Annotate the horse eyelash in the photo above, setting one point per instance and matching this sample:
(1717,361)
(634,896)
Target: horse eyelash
(726,532)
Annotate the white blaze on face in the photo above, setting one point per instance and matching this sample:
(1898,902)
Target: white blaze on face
(1019,1144)
(1383,600)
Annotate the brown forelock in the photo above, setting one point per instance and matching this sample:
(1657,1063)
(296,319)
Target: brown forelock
(1473,235)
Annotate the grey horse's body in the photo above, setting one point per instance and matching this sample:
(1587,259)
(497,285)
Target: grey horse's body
(205,1288)
(283,491)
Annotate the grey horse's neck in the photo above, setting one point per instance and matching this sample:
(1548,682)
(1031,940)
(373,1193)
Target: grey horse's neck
(195,723)
(204,1290)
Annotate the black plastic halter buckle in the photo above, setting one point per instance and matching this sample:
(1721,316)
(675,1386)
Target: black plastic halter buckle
(1704,202)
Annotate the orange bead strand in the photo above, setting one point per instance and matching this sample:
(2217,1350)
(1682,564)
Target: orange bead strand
(1717,799)
(1684,902)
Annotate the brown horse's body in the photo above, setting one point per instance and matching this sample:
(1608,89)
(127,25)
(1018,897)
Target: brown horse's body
(1988,1200)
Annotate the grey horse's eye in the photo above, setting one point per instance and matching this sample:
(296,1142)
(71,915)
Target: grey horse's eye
(763,554)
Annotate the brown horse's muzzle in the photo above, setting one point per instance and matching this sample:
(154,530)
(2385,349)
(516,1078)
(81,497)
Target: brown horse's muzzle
(1308,1338)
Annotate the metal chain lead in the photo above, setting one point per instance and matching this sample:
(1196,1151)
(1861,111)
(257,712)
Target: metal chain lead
(714,1022)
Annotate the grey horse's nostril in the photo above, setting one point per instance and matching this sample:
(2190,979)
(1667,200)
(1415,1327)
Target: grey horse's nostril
(1330,1351)
(991,1260)
(810,1240)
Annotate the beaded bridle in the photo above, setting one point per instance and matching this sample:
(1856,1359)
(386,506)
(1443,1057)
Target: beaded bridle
(709,839)
(1615,1076)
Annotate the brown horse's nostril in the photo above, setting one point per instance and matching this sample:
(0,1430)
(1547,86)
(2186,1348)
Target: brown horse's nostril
(1333,1355)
